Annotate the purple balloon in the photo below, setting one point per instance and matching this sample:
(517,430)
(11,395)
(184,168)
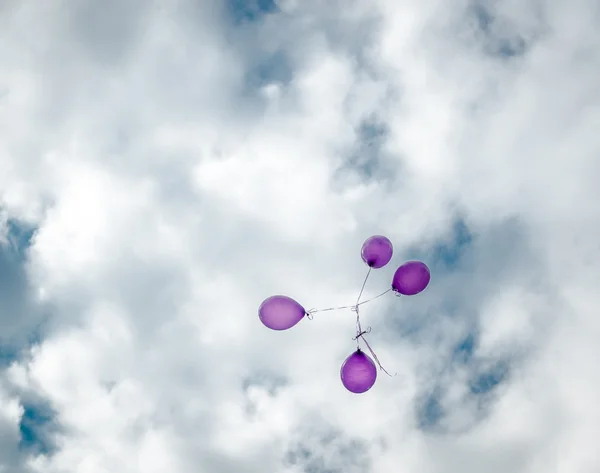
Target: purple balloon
(358,372)
(280,312)
(411,278)
(377,251)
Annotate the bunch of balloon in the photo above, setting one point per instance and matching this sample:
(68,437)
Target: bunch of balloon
(358,372)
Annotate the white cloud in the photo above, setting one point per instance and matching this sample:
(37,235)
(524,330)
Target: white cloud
(172,194)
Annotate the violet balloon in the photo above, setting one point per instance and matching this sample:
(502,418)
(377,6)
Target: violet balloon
(411,278)
(280,312)
(377,251)
(358,372)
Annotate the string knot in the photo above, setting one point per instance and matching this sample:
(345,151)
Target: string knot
(361,333)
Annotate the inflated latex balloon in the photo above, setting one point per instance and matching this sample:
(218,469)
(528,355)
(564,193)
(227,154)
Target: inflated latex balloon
(377,251)
(280,312)
(358,372)
(411,278)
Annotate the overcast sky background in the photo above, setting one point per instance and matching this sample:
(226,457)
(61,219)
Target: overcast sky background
(167,165)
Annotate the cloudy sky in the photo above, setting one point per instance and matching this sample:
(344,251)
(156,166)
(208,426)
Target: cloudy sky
(166,165)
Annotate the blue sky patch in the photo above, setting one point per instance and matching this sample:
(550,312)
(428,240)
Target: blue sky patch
(450,252)
(274,68)
(19,238)
(484,382)
(21,318)
(431,407)
(429,411)
(463,353)
(371,135)
(22,327)
(366,158)
(498,41)
(250,10)
(325,450)
(37,424)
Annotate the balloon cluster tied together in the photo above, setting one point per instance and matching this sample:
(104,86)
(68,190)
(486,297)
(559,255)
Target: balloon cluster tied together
(358,372)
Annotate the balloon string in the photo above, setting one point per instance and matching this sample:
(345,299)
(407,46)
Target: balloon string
(351,307)
(360,333)
(358,327)
(363,286)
